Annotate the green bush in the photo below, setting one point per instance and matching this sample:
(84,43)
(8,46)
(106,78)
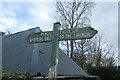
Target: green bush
(11,75)
(105,72)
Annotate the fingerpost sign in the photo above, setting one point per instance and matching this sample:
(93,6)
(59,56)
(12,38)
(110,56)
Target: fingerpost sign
(59,35)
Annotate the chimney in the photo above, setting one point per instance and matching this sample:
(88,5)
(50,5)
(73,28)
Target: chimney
(2,33)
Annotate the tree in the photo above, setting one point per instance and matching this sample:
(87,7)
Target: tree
(100,53)
(73,15)
(96,53)
(82,47)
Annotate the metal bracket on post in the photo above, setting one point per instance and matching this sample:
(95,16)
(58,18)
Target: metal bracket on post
(55,52)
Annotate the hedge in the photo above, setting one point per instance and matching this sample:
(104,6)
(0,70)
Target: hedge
(105,72)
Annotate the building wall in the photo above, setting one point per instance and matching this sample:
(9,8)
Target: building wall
(17,52)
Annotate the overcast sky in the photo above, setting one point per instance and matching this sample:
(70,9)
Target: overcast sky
(19,16)
(105,20)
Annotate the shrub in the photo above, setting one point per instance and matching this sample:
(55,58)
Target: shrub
(105,72)
(11,75)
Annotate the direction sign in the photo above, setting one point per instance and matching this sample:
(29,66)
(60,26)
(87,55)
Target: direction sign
(65,34)
(58,35)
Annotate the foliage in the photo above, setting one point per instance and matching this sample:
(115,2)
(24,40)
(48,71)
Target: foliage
(11,75)
(105,72)
(80,59)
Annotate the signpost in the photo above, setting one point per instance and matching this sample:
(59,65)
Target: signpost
(65,34)
(59,35)
(55,51)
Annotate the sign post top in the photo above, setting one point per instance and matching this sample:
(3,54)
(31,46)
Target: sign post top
(57,23)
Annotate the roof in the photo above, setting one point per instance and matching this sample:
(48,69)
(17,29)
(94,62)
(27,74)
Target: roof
(19,55)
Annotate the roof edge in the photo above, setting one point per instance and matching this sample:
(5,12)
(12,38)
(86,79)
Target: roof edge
(22,31)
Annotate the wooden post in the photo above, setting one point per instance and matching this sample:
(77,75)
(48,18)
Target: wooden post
(55,52)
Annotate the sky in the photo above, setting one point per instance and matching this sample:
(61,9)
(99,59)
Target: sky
(105,20)
(19,16)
